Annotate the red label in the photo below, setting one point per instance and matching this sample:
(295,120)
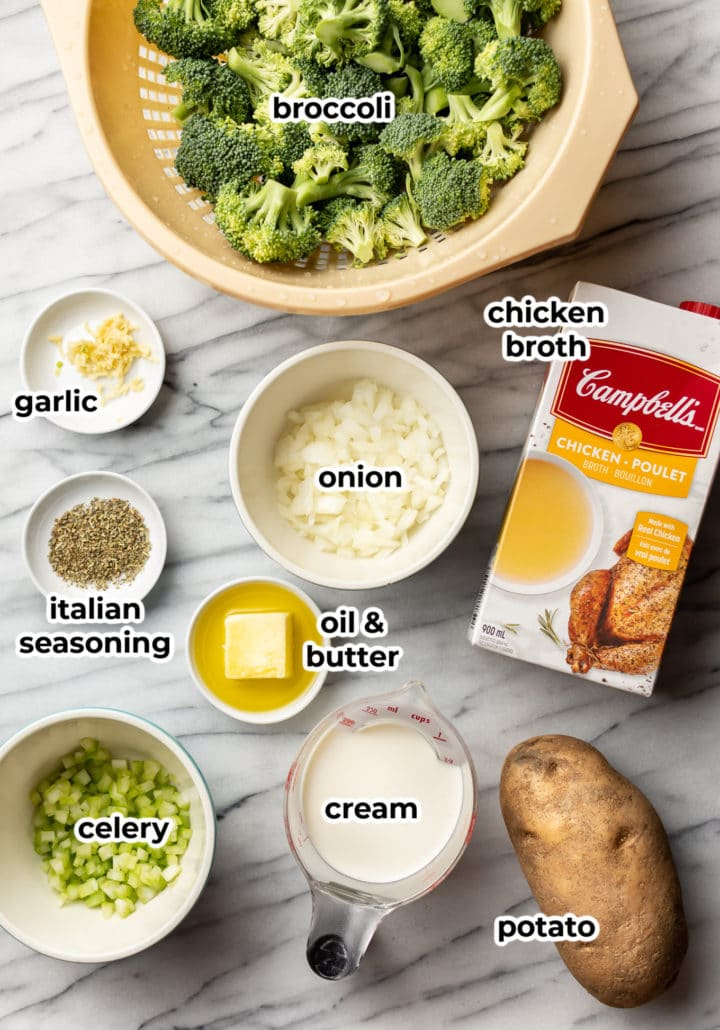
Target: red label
(674,404)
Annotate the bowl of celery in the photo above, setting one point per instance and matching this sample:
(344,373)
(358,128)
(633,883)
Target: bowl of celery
(96,900)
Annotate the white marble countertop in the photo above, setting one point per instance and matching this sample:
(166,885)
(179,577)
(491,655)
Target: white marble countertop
(238,960)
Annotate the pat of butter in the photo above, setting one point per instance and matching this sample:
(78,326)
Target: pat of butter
(258,645)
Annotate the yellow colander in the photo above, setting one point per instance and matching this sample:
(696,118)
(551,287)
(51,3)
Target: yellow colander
(123,108)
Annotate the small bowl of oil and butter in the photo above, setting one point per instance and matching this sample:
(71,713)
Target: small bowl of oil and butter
(245,650)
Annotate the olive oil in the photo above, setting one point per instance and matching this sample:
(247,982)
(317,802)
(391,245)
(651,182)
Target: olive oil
(548,525)
(208,651)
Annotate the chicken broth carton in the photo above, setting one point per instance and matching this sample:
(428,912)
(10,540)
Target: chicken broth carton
(597,535)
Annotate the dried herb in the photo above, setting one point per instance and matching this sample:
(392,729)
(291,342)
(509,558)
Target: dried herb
(545,622)
(100,544)
(512,627)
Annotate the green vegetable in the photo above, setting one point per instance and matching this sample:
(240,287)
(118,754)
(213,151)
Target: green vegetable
(335,31)
(192,28)
(449,191)
(524,76)
(448,48)
(114,877)
(469,81)
(209,88)
(211,149)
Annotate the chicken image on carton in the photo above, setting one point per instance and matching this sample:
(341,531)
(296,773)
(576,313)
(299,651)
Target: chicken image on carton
(597,535)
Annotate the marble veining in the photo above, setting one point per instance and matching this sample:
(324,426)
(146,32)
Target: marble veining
(238,960)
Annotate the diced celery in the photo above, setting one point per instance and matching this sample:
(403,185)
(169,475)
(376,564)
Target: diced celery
(110,876)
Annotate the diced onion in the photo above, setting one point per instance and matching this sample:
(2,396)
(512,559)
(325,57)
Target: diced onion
(378,428)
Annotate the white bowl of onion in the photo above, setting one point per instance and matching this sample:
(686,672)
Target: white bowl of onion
(344,405)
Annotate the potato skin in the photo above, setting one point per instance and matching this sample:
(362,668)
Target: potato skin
(589,842)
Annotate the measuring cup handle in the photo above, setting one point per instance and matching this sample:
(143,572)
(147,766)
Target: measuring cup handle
(339,935)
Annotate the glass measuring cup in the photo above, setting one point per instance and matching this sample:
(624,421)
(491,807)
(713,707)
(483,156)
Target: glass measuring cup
(346,910)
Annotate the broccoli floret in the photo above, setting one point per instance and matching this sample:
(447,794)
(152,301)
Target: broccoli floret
(283,144)
(508,15)
(481,31)
(355,227)
(354,81)
(400,222)
(466,128)
(320,162)
(525,78)
(192,28)
(411,92)
(435,99)
(536,17)
(412,137)
(277,19)
(265,222)
(314,77)
(502,155)
(265,70)
(451,190)
(456,10)
(335,31)
(373,177)
(409,20)
(209,88)
(448,48)
(215,150)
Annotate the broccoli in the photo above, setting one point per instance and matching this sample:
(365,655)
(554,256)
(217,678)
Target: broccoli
(283,144)
(265,222)
(525,78)
(466,128)
(321,161)
(409,20)
(435,99)
(355,227)
(373,177)
(502,156)
(277,19)
(447,47)
(335,31)
(314,77)
(264,69)
(410,102)
(354,81)
(508,14)
(455,10)
(412,137)
(451,190)
(400,223)
(390,55)
(536,17)
(192,28)
(209,88)
(481,31)
(213,150)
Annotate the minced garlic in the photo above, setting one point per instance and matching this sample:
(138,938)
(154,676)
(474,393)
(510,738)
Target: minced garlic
(107,352)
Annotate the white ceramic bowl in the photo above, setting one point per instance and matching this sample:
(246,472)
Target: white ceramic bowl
(244,715)
(594,538)
(39,357)
(324,373)
(29,908)
(80,489)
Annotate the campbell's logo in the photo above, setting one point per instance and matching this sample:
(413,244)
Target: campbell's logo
(674,403)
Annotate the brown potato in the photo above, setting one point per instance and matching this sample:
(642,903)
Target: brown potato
(589,842)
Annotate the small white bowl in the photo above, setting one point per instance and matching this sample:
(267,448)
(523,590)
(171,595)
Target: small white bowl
(81,489)
(322,373)
(39,357)
(243,715)
(29,908)
(596,534)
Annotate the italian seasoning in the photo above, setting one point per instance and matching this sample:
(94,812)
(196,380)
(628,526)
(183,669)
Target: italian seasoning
(100,544)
